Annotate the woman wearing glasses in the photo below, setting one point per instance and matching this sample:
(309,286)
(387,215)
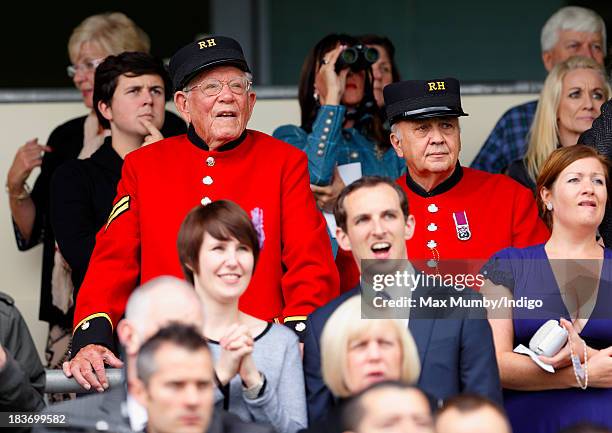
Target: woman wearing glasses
(97,37)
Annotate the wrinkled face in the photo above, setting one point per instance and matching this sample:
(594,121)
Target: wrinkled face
(428,145)
(373,356)
(89,55)
(179,397)
(572,43)
(578,195)
(382,72)
(136,100)
(581,98)
(225,269)
(375,225)
(221,118)
(392,410)
(483,420)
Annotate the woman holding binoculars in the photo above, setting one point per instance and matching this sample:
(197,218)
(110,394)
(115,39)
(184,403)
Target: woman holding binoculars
(341,122)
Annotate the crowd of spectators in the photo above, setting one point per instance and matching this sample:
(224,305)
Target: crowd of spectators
(229,307)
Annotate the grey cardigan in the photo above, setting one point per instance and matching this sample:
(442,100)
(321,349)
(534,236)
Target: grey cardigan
(283,404)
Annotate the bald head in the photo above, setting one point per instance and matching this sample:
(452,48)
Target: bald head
(161,301)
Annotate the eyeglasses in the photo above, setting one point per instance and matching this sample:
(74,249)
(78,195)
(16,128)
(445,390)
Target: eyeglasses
(212,87)
(88,66)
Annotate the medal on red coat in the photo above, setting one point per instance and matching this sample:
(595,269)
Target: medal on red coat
(462,226)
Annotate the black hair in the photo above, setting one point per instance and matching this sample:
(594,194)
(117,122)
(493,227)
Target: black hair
(178,334)
(131,64)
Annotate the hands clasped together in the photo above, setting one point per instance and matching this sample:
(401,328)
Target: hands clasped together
(236,357)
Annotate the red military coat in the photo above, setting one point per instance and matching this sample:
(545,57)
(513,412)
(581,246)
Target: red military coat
(470,216)
(162,182)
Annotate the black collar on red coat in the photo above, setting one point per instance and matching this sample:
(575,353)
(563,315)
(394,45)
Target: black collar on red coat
(197,140)
(443,187)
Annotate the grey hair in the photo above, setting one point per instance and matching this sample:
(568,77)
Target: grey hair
(395,130)
(573,18)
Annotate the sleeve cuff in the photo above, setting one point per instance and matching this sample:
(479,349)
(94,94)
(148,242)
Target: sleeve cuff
(297,324)
(94,329)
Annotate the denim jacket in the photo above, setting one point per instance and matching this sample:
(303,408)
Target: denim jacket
(328,145)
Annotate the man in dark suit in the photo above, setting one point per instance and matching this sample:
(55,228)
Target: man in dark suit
(456,354)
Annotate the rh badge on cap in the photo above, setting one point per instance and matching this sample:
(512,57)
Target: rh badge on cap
(462,226)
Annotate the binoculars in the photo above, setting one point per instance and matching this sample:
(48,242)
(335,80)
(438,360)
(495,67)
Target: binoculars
(357,57)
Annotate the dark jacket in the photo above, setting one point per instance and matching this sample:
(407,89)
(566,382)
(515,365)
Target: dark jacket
(22,380)
(109,409)
(66,141)
(456,354)
(82,193)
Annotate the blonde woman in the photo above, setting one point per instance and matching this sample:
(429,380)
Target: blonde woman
(570,100)
(356,353)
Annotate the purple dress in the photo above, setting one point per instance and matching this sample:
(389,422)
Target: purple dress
(527,273)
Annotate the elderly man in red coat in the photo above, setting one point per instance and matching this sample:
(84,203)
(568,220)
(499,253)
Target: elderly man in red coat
(462,215)
(218,159)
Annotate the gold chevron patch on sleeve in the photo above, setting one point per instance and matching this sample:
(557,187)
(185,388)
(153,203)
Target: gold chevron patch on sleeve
(122,205)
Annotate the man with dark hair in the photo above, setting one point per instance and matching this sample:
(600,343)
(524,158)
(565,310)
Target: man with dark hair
(388,406)
(468,413)
(570,31)
(456,354)
(175,372)
(130,92)
(218,159)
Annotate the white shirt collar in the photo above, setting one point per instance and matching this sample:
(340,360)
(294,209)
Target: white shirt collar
(137,414)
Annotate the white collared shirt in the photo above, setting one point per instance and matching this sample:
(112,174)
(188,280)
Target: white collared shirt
(137,414)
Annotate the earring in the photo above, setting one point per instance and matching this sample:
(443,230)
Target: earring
(549,206)
(315,95)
